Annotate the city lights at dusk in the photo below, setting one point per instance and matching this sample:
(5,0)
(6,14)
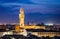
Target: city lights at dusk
(29,19)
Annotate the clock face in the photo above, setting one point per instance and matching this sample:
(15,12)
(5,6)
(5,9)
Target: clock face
(21,15)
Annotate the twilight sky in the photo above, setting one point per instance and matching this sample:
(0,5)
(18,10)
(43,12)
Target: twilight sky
(36,11)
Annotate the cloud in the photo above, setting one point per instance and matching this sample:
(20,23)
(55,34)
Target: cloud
(46,18)
(10,8)
(16,1)
(46,1)
(17,6)
(30,8)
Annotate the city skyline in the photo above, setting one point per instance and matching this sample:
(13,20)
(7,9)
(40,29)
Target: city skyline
(47,11)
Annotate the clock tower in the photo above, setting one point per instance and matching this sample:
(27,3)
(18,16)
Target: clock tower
(21,17)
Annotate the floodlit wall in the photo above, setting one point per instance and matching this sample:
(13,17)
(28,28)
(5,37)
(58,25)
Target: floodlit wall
(50,34)
(31,27)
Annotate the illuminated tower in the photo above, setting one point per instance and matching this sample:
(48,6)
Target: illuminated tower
(21,17)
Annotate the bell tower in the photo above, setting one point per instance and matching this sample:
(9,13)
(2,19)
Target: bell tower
(21,17)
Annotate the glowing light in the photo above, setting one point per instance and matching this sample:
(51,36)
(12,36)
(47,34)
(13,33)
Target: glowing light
(12,38)
(49,24)
(24,32)
(7,33)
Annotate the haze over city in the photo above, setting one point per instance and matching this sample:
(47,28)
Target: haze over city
(36,11)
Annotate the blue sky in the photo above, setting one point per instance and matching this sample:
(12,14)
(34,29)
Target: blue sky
(49,9)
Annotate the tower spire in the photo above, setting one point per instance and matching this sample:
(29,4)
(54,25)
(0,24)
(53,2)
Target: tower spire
(21,17)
